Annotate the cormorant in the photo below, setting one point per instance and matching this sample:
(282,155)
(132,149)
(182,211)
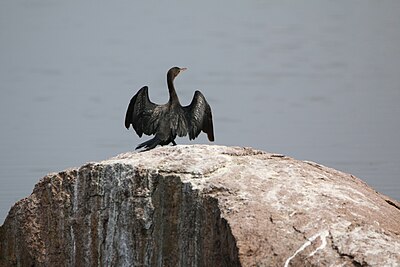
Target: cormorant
(171,119)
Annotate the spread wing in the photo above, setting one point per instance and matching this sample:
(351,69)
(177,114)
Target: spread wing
(199,117)
(142,114)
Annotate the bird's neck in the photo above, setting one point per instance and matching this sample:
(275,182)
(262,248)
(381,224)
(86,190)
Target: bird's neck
(173,97)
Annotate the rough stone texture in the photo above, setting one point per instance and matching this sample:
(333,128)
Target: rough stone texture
(202,206)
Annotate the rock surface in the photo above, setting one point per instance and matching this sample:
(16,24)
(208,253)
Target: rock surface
(202,206)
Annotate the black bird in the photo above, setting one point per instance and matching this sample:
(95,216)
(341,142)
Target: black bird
(171,119)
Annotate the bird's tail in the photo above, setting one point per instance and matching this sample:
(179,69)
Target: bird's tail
(150,144)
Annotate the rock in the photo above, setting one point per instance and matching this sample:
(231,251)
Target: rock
(202,206)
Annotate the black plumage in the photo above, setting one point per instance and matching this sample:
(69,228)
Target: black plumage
(171,119)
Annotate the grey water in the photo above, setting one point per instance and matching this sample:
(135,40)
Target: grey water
(315,80)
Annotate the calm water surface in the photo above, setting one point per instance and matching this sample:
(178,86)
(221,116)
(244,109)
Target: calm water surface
(317,80)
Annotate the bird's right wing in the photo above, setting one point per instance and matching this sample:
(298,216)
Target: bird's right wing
(142,113)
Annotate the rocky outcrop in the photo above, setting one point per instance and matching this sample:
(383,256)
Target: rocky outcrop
(202,206)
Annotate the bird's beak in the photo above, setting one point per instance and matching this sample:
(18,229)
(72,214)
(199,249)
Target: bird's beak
(182,69)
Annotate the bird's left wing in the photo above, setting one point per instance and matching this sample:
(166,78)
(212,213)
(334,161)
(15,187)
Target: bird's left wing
(142,113)
(199,117)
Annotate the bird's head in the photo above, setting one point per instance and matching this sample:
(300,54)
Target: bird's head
(173,72)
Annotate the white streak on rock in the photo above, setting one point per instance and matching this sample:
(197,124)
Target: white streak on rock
(322,235)
(75,201)
(73,245)
(74,209)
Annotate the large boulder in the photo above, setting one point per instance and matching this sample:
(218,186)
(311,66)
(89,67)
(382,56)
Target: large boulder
(202,206)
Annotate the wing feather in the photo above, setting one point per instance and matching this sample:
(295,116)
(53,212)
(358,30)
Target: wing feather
(199,117)
(142,114)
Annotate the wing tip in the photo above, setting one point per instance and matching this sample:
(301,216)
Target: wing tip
(211,137)
(127,119)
